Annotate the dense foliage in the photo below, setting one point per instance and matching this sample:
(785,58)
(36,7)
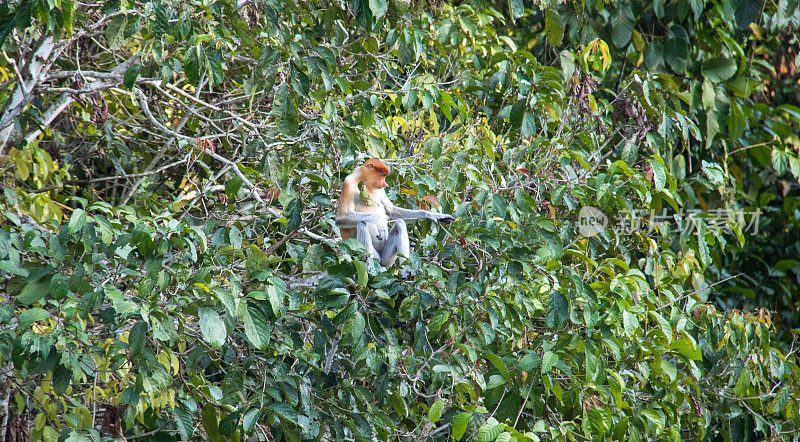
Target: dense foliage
(170,268)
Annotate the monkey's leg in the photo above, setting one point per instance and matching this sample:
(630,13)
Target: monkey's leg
(365,237)
(397,242)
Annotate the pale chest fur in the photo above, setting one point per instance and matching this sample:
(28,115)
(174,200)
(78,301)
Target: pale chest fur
(378,208)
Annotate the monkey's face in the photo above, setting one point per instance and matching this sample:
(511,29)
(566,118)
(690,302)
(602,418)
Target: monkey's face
(375,173)
(375,180)
(380,182)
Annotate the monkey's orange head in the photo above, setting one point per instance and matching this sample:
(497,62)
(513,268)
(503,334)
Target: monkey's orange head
(376,172)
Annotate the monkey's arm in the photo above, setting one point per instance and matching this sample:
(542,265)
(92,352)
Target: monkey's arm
(395,212)
(349,220)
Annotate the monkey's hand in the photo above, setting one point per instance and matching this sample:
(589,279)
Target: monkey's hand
(445,218)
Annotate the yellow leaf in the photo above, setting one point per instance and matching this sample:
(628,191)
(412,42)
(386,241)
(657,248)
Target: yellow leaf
(606,55)
(638,41)
(407,191)
(23,168)
(592,103)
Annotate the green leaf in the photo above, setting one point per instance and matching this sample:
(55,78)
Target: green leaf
(528,128)
(300,81)
(658,8)
(62,376)
(746,12)
(495,381)
(399,405)
(498,364)
(363,14)
(256,328)
(312,261)
(549,360)
(655,417)
(778,403)
(77,220)
(250,419)
(554,27)
(131,74)
(34,291)
(599,420)
(688,349)
(294,214)
(630,153)
(713,172)
(212,327)
(8,20)
(276,293)
(12,267)
(229,424)
(286,412)
(354,327)
(591,358)
(630,323)
(736,121)
(530,361)
(257,262)
(718,69)
(191,65)
(378,8)
(709,95)
(489,430)
(141,239)
(287,116)
(138,337)
(236,237)
(676,53)
(106,230)
(361,271)
(744,383)
(460,424)
(654,56)
(409,308)
(517,113)
(115,31)
(184,420)
(516,8)
(659,173)
(436,410)
(557,310)
(669,369)
(210,421)
(622,22)
(712,126)
(32,315)
(794,166)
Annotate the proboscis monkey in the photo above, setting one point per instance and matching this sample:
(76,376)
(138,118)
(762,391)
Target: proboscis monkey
(365,210)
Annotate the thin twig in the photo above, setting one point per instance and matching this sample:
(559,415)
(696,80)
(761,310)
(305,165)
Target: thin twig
(699,290)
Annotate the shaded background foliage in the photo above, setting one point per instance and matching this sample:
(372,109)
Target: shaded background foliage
(169,257)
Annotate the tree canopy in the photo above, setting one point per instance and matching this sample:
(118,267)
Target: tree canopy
(623,265)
